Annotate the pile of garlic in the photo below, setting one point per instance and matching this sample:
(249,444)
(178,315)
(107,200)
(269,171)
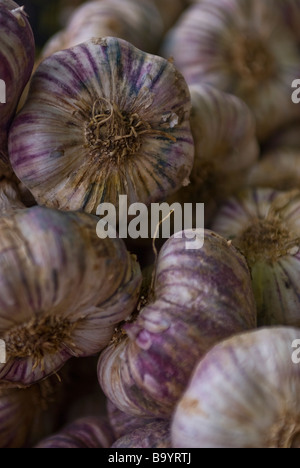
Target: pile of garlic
(104,343)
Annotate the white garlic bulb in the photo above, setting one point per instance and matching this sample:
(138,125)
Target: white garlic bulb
(245,393)
(103,119)
(62,289)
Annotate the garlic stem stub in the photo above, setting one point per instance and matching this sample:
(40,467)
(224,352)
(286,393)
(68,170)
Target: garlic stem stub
(103,119)
(242,47)
(17,52)
(200,298)
(63,290)
(264,225)
(245,393)
(89,432)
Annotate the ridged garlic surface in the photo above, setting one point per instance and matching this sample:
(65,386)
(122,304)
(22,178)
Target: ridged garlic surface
(226,147)
(264,224)
(200,298)
(245,393)
(62,289)
(137,21)
(103,119)
(16,62)
(244,48)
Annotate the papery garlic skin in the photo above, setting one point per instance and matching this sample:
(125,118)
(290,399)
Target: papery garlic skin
(242,47)
(122,423)
(226,147)
(16,62)
(105,119)
(264,224)
(89,432)
(63,290)
(200,297)
(245,393)
(136,21)
(155,434)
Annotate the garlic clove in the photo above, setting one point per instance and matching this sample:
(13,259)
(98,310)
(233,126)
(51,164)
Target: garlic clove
(155,434)
(90,432)
(243,48)
(66,164)
(243,394)
(63,291)
(16,62)
(200,297)
(264,225)
(226,147)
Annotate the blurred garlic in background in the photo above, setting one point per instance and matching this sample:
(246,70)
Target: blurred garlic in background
(83,433)
(155,434)
(16,63)
(226,147)
(264,224)
(242,47)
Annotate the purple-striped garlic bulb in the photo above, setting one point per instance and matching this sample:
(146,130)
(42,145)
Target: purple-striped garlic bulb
(155,434)
(136,21)
(200,298)
(244,48)
(28,414)
(245,393)
(226,147)
(62,291)
(264,224)
(17,52)
(89,432)
(103,119)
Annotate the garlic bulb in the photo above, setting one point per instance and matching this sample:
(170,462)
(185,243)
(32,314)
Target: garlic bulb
(278,169)
(30,413)
(103,119)
(226,147)
(201,297)
(16,62)
(242,47)
(10,198)
(83,433)
(136,21)
(62,289)
(264,225)
(245,393)
(122,423)
(153,435)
